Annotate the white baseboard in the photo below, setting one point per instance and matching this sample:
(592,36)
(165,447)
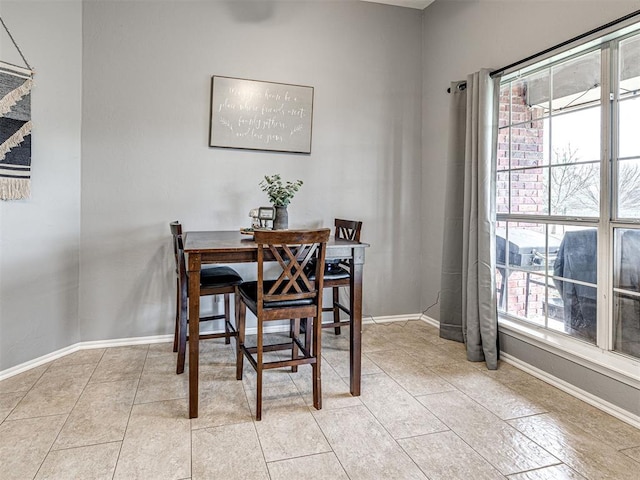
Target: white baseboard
(431,321)
(586,397)
(50,357)
(36,362)
(391,318)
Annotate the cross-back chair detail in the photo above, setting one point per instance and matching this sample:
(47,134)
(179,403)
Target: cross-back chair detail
(291,295)
(293,261)
(348,229)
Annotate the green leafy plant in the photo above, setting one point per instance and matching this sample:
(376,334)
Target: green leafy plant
(280,193)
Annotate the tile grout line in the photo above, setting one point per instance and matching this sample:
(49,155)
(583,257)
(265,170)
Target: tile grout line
(68,414)
(451,429)
(133,403)
(395,440)
(25,392)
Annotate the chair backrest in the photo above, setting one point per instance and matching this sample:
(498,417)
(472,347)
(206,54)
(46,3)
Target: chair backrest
(176,232)
(293,250)
(348,229)
(176,228)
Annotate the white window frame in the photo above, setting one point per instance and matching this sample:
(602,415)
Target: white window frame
(599,357)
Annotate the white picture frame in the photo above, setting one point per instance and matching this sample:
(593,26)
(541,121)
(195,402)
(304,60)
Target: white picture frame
(258,115)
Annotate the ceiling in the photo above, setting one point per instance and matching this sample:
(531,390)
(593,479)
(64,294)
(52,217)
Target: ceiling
(419,4)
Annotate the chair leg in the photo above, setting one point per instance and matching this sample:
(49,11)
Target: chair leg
(307,334)
(295,332)
(182,331)
(336,311)
(227,320)
(240,322)
(259,364)
(315,367)
(177,330)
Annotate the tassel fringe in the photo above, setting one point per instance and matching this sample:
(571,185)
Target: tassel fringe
(14,96)
(15,139)
(15,188)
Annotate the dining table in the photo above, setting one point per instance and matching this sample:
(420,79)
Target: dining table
(229,247)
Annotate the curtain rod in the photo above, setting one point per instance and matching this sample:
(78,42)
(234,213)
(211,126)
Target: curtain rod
(562,44)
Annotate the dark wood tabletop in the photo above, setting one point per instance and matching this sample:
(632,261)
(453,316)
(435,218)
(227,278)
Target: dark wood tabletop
(235,244)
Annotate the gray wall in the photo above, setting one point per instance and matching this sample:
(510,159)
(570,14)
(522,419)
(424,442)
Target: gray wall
(146,74)
(39,237)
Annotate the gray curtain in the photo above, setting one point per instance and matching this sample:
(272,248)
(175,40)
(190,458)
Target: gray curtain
(468,301)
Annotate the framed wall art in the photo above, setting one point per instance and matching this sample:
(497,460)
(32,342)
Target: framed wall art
(257,115)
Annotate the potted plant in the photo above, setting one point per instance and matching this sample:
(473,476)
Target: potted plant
(280,194)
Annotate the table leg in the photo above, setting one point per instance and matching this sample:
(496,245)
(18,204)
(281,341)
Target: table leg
(194,331)
(355,332)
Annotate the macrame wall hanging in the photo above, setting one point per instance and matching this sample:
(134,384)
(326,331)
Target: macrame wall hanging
(15,127)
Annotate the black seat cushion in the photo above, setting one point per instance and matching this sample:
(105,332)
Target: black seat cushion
(219,277)
(249,291)
(332,270)
(337,272)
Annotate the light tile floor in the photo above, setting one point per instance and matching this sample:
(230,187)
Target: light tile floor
(424,412)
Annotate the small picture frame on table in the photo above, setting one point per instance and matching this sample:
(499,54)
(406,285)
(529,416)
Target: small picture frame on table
(266,215)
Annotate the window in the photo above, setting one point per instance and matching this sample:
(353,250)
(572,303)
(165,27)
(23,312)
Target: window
(567,188)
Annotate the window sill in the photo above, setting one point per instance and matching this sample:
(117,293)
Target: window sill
(620,367)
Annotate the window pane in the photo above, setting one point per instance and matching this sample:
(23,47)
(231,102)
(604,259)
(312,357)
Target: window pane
(580,308)
(528,144)
(502,192)
(528,195)
(576,254)
(505,105)
(576,136)
(626,327)
(501,286)
(526,245)
(516,294)
(503,148)
(627,259)
(629,189)
(535,306)
(576,82)
(525,255)
(575,190)
(627,302)
(629,65)
(576,261)
(629,145)
(530,97)
(554,307)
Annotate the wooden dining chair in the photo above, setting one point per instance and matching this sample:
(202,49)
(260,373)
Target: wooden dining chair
(337,274)
(292,295)
(214,280)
